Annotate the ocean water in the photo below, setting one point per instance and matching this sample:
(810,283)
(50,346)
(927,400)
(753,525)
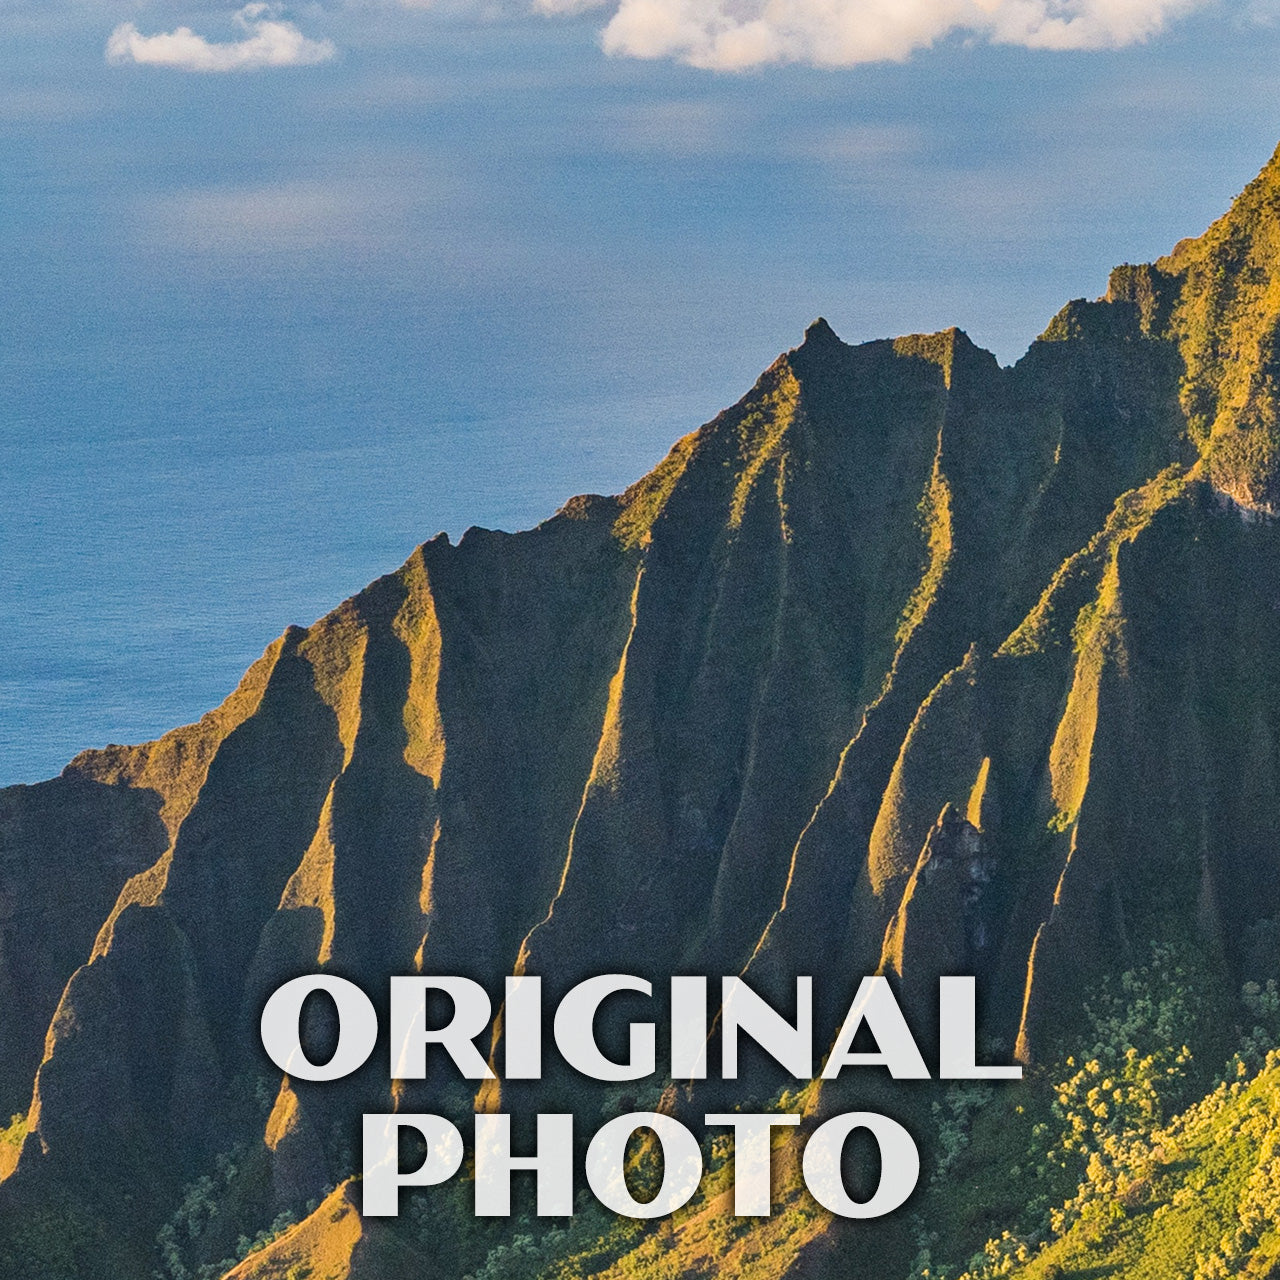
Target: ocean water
(171,503)
(261,335)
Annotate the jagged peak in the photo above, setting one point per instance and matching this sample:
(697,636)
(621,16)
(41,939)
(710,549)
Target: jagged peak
(478,535)
(820,334)
(585,506)
(940,348)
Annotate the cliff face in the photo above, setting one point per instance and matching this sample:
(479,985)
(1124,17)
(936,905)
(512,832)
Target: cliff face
(905,662)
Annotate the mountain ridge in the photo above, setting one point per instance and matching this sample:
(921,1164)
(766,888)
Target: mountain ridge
(906,659)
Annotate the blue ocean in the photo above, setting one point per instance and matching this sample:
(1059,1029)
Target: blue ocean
(262,334)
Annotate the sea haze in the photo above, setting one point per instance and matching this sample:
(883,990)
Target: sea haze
(261,334)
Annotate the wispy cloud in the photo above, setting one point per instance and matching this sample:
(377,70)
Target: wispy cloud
(735,35)
(392,203)
(283,217)
(38,104)
(269,42)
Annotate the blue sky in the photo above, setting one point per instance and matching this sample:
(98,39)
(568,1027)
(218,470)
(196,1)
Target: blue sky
(264,327)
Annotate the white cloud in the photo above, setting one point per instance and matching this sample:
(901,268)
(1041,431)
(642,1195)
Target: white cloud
(734,35)
(269,42)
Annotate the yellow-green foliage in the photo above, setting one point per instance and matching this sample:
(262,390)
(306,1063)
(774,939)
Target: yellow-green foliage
(1044,1170)
(702,1239)
(1226,321)
(939,759)
(644,501)
(1081,593)
(1198,1198)
(1194,1195)
(935,522)
(760,433)
(418,627)
(11,1140)
(938,348)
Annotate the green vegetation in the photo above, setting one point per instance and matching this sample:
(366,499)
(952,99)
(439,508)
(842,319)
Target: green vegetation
(906,661)
(11,1140)
(703,1238)
(1225,316)
(189,1243)
(935,524)
(51,1244)
(1123,1168)
(1106,1160)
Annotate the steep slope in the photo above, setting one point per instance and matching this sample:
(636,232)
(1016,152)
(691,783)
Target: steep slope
(1218,298)
(1201,1199)
(66,849)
